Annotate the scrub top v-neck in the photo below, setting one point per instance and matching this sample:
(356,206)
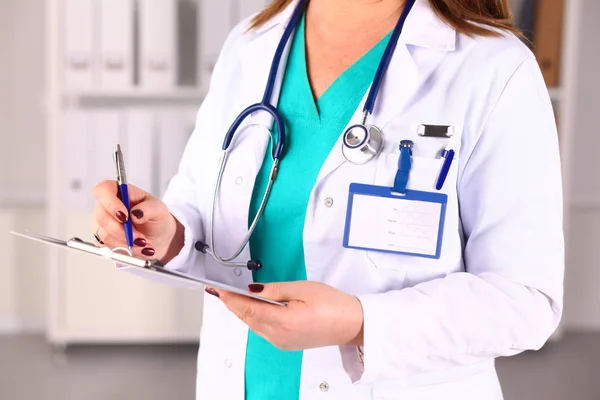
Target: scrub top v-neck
(312,129)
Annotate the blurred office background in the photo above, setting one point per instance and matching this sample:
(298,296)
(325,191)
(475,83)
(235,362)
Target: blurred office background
(78,76)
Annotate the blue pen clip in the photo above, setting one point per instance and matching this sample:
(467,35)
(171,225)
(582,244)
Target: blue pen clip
(404,166)
(448,156)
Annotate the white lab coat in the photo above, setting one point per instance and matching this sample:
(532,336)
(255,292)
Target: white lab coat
(432,328)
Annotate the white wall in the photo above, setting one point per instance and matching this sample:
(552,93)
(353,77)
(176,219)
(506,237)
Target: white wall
(582,300)
(21,99)
(23,275)
(22,176)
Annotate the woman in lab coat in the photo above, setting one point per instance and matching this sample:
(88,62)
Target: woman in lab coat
(361,323)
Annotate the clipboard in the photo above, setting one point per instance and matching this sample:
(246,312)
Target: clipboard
(153,267)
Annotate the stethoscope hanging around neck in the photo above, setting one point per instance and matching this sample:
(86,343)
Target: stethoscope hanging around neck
(361,142)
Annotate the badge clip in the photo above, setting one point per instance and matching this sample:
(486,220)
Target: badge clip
(404,166)
(436,131)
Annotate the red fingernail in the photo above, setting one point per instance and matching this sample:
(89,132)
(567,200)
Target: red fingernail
(139,214)
(121,216)
(212,292)
(148,252)
(140,242)
(256,287)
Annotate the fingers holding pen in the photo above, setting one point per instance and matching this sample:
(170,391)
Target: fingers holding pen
(149,210)
(106,195)
(141,249)
(111,233)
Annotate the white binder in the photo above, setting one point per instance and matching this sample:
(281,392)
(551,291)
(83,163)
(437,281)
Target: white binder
(138,148)
(174,131)
(75,164)
(115,22)
(107,127)
(248,8)
(157,35)
(80,58)
(216,21)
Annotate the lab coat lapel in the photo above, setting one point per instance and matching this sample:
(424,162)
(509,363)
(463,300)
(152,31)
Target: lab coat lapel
(400,84)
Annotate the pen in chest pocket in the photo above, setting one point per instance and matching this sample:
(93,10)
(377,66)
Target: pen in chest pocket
(448,156)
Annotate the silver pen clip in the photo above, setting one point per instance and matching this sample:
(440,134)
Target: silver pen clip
(120,166)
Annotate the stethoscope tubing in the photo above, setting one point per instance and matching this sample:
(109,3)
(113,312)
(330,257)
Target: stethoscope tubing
(279,147)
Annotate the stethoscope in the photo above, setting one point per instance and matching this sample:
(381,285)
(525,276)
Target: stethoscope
(360,143)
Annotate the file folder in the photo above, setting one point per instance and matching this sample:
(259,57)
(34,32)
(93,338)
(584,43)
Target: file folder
(157,37)
(248,8)
(115,21)
(139,149)
(188,43)
(216,21)
(107,127)
(174,132)
(548,39)
(75,164)
(80,59)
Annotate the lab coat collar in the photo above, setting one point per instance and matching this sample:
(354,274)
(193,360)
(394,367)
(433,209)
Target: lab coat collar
(423,27)
(401,81)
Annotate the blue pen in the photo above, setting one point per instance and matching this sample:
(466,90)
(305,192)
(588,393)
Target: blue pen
(124,194)
(448,157)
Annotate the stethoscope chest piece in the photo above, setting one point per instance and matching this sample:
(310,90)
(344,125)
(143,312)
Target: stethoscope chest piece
(362,143)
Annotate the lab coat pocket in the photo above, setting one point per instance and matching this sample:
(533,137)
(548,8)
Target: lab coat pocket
(423,176)
(425,147)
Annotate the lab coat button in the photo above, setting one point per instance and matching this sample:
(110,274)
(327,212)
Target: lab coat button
(237,271)
(228,363)
(328,202)
(239,180)
(324,386)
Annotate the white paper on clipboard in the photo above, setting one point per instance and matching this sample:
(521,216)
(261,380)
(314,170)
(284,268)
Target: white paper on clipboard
(149,269)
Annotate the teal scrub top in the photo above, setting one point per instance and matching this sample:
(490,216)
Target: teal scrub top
(312,128)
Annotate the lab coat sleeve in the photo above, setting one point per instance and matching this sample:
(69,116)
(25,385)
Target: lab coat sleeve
(509,300)
(181,196)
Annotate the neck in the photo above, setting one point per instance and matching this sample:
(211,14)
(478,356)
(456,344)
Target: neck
(354,15)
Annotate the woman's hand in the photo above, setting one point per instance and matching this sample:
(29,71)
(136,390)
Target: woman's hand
(317,315)
(156,233)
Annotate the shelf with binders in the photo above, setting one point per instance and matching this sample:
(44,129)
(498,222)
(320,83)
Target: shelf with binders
(181,95)
(132,50)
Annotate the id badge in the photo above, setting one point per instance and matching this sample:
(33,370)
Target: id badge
(379,219)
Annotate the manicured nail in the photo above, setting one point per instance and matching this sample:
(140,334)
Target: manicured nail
(121,216)
(139,214)
(148,252)
(140,242)
(256,288)
(211,291)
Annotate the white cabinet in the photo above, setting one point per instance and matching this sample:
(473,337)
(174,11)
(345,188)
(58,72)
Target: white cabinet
(98,303)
